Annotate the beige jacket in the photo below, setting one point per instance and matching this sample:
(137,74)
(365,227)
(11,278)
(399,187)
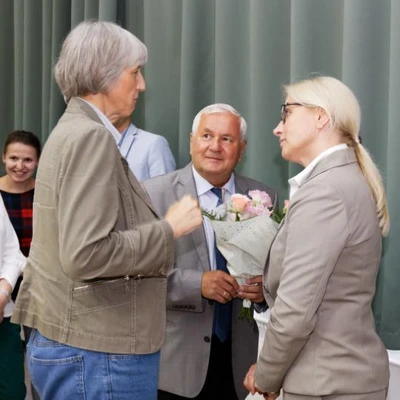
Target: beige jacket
(95,277)
(319,283)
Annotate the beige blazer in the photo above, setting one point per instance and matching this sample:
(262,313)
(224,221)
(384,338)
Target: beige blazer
(319,282)
(96,272)
(186,352)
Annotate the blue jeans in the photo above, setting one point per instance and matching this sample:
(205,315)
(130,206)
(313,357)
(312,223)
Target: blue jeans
(62,372)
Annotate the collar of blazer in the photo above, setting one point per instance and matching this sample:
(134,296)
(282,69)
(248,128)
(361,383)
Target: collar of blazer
(336,159)
(77,105)
(186,179)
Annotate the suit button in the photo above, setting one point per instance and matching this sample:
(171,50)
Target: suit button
(210,302)
(207,339)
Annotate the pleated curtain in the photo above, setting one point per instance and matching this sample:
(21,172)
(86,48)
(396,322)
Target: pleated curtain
(236,51)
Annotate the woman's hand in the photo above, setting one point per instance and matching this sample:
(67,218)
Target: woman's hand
(252,290)
(250,384)
(184,216)
(270,396)
(5,293)
(249,381)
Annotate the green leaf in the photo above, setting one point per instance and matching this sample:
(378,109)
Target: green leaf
(211,215)
(278,215)
(246,314)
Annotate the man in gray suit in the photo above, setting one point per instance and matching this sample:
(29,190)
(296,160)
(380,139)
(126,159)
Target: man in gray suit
(207,347)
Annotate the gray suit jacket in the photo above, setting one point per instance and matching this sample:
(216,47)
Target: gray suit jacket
(319,282)
(186,351)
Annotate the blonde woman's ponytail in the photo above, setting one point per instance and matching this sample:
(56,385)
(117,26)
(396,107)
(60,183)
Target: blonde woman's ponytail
(374,179)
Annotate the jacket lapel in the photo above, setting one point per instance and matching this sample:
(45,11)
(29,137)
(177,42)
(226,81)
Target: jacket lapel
(77,105)
(336,159)
(241,185)
(186,185)
(339,158)
(137,187)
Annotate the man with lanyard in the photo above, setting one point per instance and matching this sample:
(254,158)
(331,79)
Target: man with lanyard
(147,154)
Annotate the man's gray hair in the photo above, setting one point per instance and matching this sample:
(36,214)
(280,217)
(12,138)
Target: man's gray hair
(220,108)
(93,56)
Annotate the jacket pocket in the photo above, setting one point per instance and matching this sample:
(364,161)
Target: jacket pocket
(101,295)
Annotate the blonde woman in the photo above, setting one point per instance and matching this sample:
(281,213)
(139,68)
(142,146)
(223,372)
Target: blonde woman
(320,278)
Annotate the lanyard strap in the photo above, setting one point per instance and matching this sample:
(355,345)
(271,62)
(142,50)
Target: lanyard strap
(132,139)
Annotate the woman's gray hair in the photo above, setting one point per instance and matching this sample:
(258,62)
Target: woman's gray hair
(93,56)
(220,108)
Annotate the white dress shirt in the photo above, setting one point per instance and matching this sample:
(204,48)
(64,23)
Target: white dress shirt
(297,180)
(107,123)
(208,201)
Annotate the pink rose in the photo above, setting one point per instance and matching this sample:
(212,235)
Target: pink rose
(254,211)
(260,198)
(285,206)
(238,203)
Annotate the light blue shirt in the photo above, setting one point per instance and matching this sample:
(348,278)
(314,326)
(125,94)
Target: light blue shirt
(208,201)
(147,154)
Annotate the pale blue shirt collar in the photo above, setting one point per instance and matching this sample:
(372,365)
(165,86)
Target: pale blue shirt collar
(203,186)
(107,123)
(297,180)
(126,140)
(130,131)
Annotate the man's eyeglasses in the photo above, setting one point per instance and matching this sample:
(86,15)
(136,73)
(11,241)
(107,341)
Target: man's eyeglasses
(284,112)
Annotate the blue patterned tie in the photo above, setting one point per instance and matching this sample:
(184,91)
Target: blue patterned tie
(223,312)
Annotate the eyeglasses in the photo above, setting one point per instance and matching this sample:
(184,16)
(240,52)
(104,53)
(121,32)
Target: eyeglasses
(284,112)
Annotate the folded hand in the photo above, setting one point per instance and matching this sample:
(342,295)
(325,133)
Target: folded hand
(250,384)
(252,290)
(249,381)
(218,285)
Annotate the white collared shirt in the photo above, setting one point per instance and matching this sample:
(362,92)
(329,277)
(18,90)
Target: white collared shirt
(297,180)
(107,123)
(208,201)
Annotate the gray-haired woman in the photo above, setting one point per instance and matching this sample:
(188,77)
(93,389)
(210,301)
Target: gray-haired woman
(94,290)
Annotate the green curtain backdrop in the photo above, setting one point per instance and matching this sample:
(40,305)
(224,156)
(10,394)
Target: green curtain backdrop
(235,51)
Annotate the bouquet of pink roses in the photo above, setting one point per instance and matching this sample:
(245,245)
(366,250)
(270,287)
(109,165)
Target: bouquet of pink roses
(245,227)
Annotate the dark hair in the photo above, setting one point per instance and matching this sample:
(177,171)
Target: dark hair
(24,137)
